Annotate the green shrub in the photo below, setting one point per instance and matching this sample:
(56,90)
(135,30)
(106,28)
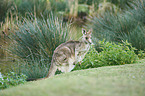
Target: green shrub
(111,54)
(141,54)
(89,61)
(117,54)
(12,79)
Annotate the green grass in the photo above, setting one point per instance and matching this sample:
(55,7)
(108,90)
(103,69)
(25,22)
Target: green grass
(123,80)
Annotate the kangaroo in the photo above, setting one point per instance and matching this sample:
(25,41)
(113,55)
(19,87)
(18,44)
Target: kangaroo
(67,54)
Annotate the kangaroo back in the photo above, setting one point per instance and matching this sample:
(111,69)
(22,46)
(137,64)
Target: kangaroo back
(67,54)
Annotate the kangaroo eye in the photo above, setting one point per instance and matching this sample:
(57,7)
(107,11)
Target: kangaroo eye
(64,59)
(86,37)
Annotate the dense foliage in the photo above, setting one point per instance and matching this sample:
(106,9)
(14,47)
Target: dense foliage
(111,54)
(63,7)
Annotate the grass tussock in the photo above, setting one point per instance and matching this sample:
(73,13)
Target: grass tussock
(36,37)
(35,40)
(128,25)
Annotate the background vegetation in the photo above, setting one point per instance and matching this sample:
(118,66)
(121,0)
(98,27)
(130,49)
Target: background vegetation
(128,25)
(31,29)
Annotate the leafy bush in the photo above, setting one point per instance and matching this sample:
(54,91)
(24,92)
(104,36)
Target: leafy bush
(116,53)
(89,61)
(12,79)
(141,54)
(111,54)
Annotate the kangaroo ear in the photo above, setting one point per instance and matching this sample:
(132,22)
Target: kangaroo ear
(83,31)
(90,31)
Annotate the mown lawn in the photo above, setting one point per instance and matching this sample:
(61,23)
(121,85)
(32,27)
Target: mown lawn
(124,80)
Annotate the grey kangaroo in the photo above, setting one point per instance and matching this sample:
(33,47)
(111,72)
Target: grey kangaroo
(67,54)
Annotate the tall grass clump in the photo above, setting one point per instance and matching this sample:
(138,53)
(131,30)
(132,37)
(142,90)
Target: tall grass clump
(35,40)
(36,68)
(122,26)
(35,36)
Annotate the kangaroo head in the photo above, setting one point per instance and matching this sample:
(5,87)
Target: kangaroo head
(87,36)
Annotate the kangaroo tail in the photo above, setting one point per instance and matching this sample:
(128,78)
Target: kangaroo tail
(52,70)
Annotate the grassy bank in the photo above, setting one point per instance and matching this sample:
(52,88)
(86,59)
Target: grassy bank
(123,80)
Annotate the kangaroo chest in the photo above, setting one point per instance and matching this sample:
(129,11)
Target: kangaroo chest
(81,52)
